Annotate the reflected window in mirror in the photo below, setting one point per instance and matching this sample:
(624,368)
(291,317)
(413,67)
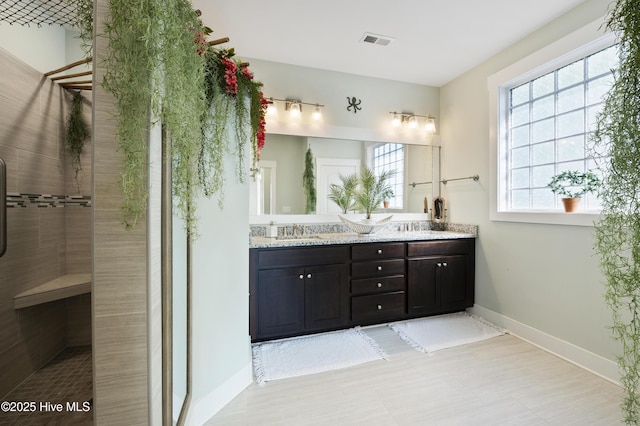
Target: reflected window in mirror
(388,157)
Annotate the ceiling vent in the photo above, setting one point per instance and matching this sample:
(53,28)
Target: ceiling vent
(376,39)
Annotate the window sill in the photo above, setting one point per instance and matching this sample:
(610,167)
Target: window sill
(581,218)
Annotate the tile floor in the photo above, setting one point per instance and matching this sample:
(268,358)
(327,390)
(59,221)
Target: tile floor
(500,381)
(66,378)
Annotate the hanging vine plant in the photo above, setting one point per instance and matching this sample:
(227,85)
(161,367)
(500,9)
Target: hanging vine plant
(160,63)
(77,133)
(617,137)
(309,183)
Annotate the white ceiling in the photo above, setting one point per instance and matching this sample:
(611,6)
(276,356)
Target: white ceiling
(435,40)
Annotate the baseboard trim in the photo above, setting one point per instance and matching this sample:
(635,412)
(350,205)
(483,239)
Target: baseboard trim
(594,363)
(207,407)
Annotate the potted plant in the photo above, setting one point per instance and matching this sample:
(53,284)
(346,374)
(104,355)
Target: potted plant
(344,195)
(572,185)
(373,190)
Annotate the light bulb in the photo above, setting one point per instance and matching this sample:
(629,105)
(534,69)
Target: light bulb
(395,122)
(294,111)
(317,114)
(430,127)
(272,109)
(413,122)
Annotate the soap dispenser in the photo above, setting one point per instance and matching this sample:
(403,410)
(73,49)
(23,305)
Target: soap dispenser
(272,230)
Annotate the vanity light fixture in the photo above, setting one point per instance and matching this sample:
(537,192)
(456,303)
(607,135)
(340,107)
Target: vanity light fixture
(294,108)
(410,120)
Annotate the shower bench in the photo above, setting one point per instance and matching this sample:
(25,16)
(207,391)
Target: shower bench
(62,287)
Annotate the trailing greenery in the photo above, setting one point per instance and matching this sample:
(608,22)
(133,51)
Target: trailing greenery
(132,63)
(617,136)
(373,190)
(574,184)
(344,195)
(84,22)
(309,182)
(77,133)
(159,65)
(183,102)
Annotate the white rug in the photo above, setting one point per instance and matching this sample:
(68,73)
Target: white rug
(445,331)
(298,356)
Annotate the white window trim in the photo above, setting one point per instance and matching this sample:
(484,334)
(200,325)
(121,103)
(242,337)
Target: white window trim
(564,51)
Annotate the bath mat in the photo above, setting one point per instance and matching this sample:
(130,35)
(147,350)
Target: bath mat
(300,356)
(445,331)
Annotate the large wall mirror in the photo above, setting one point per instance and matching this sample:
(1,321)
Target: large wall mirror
(277,189)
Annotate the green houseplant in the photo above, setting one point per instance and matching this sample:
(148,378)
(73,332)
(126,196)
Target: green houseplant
(617,232)
(344,195)
(572,185)
(373,190)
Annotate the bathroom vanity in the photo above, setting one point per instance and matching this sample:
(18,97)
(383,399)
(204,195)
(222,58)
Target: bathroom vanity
(326,282)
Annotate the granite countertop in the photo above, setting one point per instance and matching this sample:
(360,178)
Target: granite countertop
(352,237)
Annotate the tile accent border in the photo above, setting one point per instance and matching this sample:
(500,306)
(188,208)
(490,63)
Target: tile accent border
(23,200)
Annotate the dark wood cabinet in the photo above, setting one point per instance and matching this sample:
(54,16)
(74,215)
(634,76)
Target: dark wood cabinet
(287,300)
(440,276)
(302,290)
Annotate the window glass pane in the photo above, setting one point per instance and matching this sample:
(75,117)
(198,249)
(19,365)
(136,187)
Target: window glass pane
(571,74)
(520,199)
(572,165)
(596,89)
(543,153)
(571,148)
(543,85)
(542,198)
(570,99)
(520,94)
(520,115)
(570,124)
(542,108)
(541,175)
(543,130)
(520,136)
(601,62)
(520,178)
(520,157)
(592,117)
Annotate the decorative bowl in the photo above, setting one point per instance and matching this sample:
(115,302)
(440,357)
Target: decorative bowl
(368,227)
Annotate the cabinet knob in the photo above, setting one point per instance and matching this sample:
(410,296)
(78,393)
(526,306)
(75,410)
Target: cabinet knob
(379,285)
(379,307)
(379,251)
(439,265)
(308,275)
(379,267)
(444,264)
(301,277)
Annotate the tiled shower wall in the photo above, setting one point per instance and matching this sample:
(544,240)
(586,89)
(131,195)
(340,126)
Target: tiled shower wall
(48,236)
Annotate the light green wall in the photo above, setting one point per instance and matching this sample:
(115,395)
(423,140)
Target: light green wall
(545,276)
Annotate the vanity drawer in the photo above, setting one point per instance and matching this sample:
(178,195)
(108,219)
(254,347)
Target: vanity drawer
(377,268)
(377,306)
(377,251)
(378,285)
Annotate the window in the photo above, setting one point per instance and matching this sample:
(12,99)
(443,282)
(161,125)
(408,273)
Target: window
(543,111)
(550,121)
(386,157)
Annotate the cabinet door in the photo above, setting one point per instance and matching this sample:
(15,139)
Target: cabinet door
(452,278)
(280,302)
(326,296)
(423,293)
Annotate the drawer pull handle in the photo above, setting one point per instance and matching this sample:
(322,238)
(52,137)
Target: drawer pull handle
(379,267)
(379,307)
(379,285)
(308,275)
(379,251)
(301,277)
